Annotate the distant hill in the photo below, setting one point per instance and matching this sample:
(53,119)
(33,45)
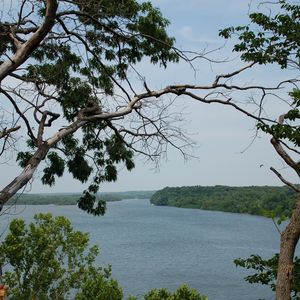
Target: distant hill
(257,200)
(71,198)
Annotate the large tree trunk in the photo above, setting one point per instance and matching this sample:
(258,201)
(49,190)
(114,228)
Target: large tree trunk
(24,50)
(20,181)
(288,243)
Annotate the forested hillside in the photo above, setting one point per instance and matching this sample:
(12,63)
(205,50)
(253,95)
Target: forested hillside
(252,199)
(72,198)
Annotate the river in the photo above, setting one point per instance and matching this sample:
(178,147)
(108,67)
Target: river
(153,247)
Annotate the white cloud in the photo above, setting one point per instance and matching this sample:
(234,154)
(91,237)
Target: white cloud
(187,32)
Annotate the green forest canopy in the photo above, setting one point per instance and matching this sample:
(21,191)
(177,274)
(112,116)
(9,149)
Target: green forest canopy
(72,198)
(257,200)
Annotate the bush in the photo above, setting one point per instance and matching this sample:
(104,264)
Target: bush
(48,259)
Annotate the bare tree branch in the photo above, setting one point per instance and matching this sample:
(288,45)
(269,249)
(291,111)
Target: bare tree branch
(294,187)
(6,132)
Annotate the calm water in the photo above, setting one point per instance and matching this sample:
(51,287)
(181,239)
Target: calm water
(150,246)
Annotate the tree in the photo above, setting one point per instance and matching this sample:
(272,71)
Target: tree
(48,259)
(65,77)
(272,38)
(279,42)
(76,66)
(182,293)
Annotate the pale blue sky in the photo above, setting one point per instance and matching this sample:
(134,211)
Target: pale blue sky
(221,133)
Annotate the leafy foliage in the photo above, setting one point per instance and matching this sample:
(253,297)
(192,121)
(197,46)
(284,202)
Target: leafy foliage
(182,293)
(277,38)
(267,272)
(48,259)
(56,167)
(96,286)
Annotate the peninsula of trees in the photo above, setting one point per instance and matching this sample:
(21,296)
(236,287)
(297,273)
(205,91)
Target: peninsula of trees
(256,200)
(72,198)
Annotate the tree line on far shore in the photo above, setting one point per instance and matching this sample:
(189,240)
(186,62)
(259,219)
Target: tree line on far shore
(256,200)
(72,198)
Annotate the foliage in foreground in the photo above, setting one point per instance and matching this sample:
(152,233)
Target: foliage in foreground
(266,272)
(182,293)
(48,259)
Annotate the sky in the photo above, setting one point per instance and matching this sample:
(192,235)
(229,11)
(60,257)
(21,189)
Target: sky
(225,151)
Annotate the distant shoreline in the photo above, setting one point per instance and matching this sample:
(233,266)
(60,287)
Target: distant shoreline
(72,198)
(268,201)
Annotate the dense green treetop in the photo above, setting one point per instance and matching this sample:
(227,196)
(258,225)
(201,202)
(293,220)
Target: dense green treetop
(182,293)
(48,259)
(258,200)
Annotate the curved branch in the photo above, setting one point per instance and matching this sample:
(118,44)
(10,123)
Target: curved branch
(282,153)
(292,186)
(229,75)
(6,132)
(22,116)
(25,49)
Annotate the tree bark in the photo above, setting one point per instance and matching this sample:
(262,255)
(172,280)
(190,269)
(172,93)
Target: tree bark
(24,50)
(27,173)
(43,148)
(288,243)
(20,181)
